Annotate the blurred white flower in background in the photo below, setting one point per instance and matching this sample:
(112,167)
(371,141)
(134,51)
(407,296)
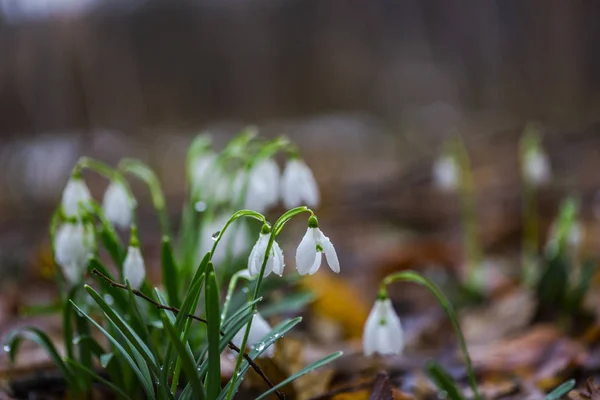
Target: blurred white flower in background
(298,185)
(446,173)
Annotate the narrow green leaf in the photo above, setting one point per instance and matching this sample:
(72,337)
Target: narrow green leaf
(124,329)
(213,317)
(85,350)
(240,313)
(105,359)
(170,272)
(119,297)
(443,380)
(260,348)
(187,359)
(310,368)
(93,375)
(38,336)
(188,307)
(144,378)
(140,324)
(561,390)
(68,322)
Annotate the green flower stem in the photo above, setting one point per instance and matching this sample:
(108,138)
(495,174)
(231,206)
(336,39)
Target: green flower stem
(96,166)
(472,247)
(274,232)
(177,371)
(530,235)
(415,277)
(144,173)
(230,289)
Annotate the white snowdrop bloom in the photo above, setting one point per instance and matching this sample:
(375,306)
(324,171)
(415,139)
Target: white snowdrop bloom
(204,175)
(73,246)
(134,269)
(310,249)
(259,186)
(235,239)
(117,205)
(383,331)
(257,256)
(446,173)
(298,185)
(258,330)
(536,168)
(75,193)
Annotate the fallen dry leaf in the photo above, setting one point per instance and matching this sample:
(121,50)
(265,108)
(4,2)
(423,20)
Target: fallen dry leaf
(507,314)
(540,354)
(337,300)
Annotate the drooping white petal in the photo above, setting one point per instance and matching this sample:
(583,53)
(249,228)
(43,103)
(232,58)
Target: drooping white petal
(383,332)
(279,263)
(259,329)
(298,186)
(267,172)
(134,269)
(117,205)
(257,256)
(306,253)
(75,193)
(330,254)
(317,263)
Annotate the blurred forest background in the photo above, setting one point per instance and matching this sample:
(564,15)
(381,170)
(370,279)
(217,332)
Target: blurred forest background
(367,88)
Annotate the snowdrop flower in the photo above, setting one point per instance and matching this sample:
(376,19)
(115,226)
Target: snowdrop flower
(117,205)
(257,255)
(446,173)
(73,246)
(75,193)
(258,330)
(383,332)
(261,185)
(536,168)
(134,269)
(203,175)
(313,244)
(298,185)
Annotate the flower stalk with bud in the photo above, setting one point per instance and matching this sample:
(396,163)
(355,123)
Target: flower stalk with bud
(458,176)
(386,338)
(535,172)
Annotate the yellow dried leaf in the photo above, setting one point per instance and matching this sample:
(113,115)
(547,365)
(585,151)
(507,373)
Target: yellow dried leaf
(337,300)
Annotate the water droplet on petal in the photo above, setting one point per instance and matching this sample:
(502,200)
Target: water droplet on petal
(7,348)
(216,235)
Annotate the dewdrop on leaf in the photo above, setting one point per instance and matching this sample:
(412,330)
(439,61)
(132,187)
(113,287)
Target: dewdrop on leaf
(117,205)
(75,193)
(383,332)
(446,173)
(310,249)
(298,185)
(259,329)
